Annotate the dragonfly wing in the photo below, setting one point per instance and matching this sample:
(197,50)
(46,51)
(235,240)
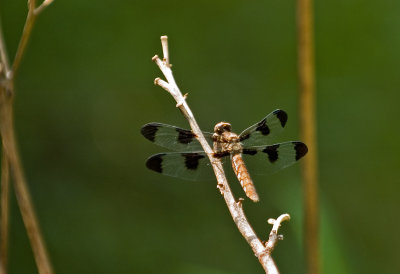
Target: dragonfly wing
(172,137)
(191,166)
(265,130)
(272,158)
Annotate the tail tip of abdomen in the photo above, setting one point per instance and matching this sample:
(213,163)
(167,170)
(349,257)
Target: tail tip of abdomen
(254,197)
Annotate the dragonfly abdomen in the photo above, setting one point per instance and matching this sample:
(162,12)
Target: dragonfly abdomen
(243,176)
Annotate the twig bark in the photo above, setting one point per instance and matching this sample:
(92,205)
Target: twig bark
(260,250)
(308,129)
(11,159)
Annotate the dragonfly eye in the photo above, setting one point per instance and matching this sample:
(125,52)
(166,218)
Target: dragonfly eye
(222,127)
(227,127)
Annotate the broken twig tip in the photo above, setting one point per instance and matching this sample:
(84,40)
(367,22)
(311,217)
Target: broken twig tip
(155,57)
(274,237)
(178,105)
(271,221)
(164,44)
(277,223)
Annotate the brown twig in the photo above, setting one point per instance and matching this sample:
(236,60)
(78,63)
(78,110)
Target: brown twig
(235,208)
(26,34)
(33,12)
(20,186)
(42,6)
(5,183)
(307,124)
(4,64)
(5,178)
(11,160)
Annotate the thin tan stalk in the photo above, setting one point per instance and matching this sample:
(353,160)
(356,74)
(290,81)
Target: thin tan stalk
(4,64)
(308,133)
(20,186)
(261,250)
(5,178)
(5,183)
(11,159)
(33,13)
(26,34)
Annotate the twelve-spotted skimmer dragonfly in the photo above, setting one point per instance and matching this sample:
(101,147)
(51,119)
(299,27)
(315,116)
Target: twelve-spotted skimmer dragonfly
(192,161)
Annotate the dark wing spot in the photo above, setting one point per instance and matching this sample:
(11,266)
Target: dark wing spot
(282,116)
(155,162)
(185,136)
(149,131)
(301,150)
(221,154)
(244,137)
(263,128)
(192,160)
(249,151)
(272,152)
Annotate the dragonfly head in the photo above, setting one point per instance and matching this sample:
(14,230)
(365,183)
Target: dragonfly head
(222,127)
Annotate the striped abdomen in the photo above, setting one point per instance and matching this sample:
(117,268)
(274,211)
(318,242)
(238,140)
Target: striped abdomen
(243,176)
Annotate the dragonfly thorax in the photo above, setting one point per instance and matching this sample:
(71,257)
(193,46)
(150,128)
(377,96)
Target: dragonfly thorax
(225,140)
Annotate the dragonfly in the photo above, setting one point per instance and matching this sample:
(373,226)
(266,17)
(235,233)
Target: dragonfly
(190,162)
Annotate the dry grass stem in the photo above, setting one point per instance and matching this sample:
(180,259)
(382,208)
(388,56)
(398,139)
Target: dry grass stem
(308,133)
(11,160)
(5,184)
(33,12)
(20,186)
(5,67)
(42,6)
(235,208)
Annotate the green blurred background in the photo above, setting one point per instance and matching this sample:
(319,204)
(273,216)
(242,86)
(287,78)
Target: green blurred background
(86,87)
